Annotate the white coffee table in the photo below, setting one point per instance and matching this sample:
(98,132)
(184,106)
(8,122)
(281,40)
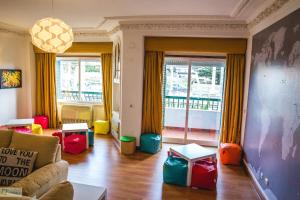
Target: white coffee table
(88,192)
(192,153)
(73,128)
(19,122)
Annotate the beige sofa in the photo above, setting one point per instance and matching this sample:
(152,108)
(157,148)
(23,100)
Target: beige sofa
(49,169)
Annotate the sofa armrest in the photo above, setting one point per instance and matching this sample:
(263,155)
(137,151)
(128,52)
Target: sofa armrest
(61,191)
(16,198)
(41,180)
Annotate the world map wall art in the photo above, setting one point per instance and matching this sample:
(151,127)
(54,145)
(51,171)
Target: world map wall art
(10,78)
(272,138)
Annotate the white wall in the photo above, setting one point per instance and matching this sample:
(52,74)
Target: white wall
(199,119)
(16,53)
(132,85)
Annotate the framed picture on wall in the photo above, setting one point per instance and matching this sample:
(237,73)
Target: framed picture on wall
(117,63)
(10,78)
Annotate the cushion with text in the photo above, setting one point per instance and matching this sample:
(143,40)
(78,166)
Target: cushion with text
(15,164)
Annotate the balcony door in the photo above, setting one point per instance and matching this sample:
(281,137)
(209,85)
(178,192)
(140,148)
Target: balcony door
(192,100)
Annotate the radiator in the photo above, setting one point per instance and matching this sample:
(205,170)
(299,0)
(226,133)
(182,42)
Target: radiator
(77,114)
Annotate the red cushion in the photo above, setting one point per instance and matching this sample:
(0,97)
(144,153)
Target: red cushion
(58,134)
(204,174)
(174,154)
(75,144)
(41,120)
(230,153)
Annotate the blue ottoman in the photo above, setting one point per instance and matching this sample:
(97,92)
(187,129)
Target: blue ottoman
(91,137)
(150,142)
(175,171)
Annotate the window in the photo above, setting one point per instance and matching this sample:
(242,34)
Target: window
(79,79)
(206,78)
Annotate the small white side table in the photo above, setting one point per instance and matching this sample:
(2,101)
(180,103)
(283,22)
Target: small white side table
(88,192)
(19,122)
(192,153)
(73,128)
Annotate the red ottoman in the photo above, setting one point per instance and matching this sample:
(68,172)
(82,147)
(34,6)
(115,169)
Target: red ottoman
(41,120)
(25,130)
(204,174)
(59,135)
(230,153)
(75,144)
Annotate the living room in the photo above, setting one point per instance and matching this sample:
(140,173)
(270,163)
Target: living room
(150,99)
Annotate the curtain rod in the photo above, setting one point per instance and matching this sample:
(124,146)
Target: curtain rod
(195,56)
(80,56)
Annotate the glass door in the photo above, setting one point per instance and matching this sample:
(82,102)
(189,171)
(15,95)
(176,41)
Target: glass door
(175,92)
(205,102)
(192,100)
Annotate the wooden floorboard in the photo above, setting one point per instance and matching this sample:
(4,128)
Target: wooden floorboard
(140,176)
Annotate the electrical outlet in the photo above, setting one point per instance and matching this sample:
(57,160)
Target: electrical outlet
(266,181)
(261,175)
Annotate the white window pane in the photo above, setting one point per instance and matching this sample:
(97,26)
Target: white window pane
(69,75)
(79,80)
(91,81)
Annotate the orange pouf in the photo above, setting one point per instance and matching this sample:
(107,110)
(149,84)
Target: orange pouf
(230,154)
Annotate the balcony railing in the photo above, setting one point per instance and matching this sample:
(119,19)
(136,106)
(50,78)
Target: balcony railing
(75,96)
(194,103)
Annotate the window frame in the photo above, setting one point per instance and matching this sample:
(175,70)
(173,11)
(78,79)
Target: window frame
(80,59)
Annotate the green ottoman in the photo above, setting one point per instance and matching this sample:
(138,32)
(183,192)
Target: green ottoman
(150,142)
(175,171)
(91,137)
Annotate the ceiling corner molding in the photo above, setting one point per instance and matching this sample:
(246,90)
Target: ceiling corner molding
(7,28)
(274,7)
(239,7)
(91,36)
(203,27)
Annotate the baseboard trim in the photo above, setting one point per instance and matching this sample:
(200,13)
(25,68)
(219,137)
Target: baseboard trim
(257,186)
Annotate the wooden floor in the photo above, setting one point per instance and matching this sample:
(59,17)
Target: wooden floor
(140,176)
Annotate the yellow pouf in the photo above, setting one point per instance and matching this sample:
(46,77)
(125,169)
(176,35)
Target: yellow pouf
(101,127)
(37,129)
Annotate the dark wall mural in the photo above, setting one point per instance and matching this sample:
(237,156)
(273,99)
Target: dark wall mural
(272,137)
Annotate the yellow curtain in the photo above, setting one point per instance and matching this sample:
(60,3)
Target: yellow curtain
(233,99)
(106,62)
(152,93)
(46,87)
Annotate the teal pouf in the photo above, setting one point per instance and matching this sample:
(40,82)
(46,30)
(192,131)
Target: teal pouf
(150,142)
(175,171)
(91,137)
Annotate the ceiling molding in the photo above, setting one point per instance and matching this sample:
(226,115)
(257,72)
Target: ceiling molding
(145,18)
(274,7)
(7,28)
(238,9)
(186,27)
(88,36)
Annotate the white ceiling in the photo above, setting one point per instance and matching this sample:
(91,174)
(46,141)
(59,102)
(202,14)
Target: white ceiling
(90,14)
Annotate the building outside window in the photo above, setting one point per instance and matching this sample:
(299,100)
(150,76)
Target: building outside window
(79,80)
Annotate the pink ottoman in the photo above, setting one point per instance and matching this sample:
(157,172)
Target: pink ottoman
(75,144)
(25,130)
(41,120)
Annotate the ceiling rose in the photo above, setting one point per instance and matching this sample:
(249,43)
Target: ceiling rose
(52,35)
